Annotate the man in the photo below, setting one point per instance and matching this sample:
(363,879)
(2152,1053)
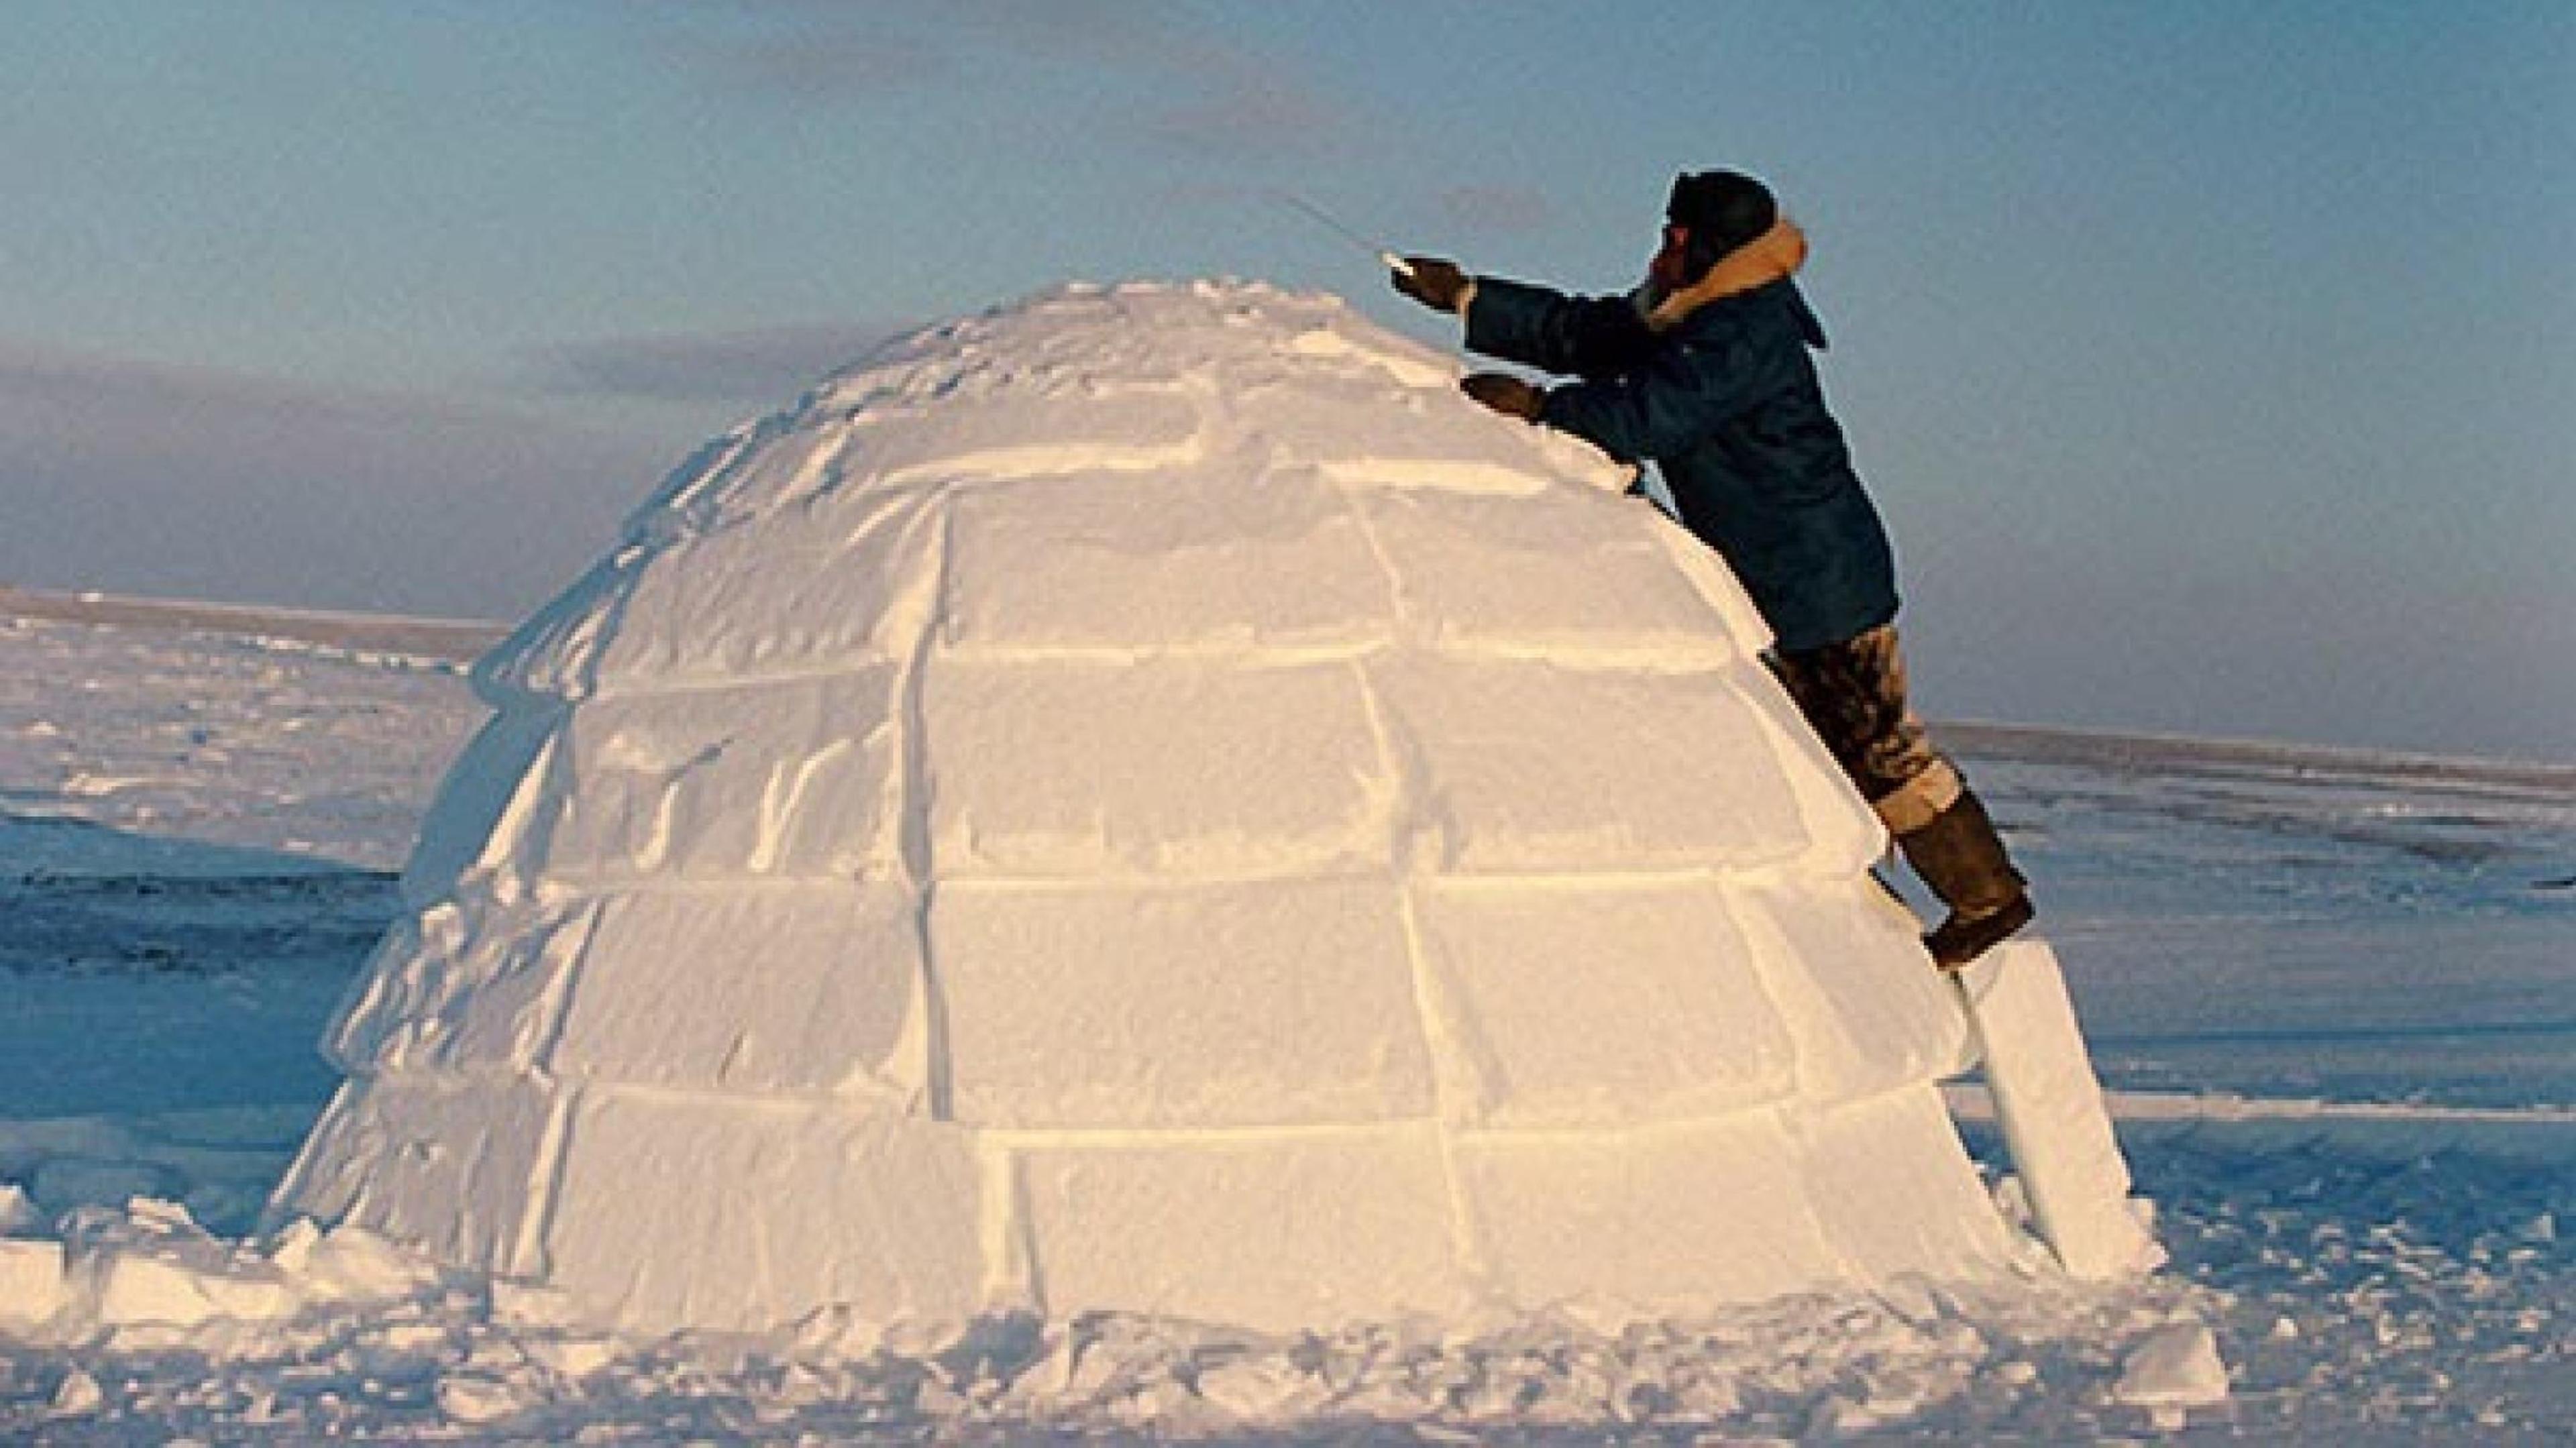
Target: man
(1706,372)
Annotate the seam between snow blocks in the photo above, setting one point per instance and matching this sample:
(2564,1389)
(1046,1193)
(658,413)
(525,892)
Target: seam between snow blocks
(528,1256)
(557,1000)
(1455,1086)
(1455,1089)
(1014,1274)
(611,887)
(295,1188)
(1573,654)
(914,847)
(1768,947)
(582,680)
(1399,615)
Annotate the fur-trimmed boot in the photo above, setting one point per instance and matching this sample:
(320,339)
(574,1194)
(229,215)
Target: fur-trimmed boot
(1963,860)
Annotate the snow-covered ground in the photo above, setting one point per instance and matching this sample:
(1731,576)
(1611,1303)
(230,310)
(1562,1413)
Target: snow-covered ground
(2334,995)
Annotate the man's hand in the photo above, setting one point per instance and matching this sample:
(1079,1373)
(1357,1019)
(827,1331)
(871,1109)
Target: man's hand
(1505,394)
(1434,283)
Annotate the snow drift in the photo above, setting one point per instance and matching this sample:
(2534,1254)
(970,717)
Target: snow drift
(1147,800)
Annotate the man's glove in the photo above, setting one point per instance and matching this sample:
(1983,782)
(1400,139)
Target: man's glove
(1434,283)
(1505,394)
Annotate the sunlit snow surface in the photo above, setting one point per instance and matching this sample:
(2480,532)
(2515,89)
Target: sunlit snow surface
(2335,994)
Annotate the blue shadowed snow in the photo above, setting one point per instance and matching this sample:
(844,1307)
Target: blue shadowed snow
(143,975)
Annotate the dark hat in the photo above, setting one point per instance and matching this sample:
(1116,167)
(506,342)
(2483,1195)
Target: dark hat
(1723,209)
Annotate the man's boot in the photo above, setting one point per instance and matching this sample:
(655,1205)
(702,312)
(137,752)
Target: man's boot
(1962,859)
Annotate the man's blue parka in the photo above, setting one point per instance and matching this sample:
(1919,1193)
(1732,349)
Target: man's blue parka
(1725,399)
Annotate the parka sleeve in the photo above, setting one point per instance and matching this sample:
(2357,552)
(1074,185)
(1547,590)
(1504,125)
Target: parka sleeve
(1595,337)
(1672,403)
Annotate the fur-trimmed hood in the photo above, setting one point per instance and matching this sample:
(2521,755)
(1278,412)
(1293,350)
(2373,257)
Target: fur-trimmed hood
(1773,256)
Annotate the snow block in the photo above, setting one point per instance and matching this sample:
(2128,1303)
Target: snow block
(1600,1003)
(1861,999)
(477,819)
(712,488)
(1565,574)
(1896,1193)
(32,1286)
(1532,767)
(1054,426)
(1844,837)
(551,656)
(1439,448)
(736,1215)
(1714,582)
(2175,1366)
(466,983)
(454,1166)
(742,478)
(797,988)
(1068,769)
(17,1212)
(799,777)
(1270,1003)
(1275,1233)
(1658,1219)
(138,1287)
(1133,563)
(792,598)
(1383,365)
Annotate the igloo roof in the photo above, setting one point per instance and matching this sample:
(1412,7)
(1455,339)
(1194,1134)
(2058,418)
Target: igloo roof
(1149,800)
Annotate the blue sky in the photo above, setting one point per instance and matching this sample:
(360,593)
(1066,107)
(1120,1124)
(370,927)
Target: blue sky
(2215,364)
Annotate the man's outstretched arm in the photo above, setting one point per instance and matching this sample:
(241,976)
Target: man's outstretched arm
(1580,336)
(1595,338)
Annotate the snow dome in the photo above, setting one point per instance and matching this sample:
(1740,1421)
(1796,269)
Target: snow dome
(1148,800)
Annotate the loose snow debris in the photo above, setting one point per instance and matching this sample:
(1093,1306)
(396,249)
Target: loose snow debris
(77,1396)
(376,1344)
(2175,1366)
(17,1213)
(150,1277)
(31,1282)
(476,1398)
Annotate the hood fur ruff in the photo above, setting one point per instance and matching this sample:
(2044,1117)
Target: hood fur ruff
(1776,253)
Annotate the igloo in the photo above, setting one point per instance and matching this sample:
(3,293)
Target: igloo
(1149,801)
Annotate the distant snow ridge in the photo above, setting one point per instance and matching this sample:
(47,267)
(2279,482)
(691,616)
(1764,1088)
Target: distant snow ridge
(1147,800)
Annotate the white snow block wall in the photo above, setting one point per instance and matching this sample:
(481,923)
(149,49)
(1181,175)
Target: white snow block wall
(1148,800)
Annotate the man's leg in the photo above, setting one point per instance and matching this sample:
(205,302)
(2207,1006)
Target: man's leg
(1853,694)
